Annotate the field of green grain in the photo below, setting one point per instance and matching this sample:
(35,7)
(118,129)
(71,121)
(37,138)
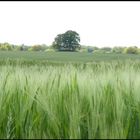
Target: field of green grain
(96,99)
(65,56)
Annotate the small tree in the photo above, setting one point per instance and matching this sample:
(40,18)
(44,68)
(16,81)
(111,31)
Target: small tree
(6,46)
(36,48)
(132,50)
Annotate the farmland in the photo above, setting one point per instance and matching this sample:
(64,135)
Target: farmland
(65,56)
(69,95)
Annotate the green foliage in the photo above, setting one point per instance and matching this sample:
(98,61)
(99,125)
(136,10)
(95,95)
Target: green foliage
(131,50)
(38,48)
(55,45)
(97,97)
(85,101)
(118,49)
(20,47)
(67,41)
(6,46)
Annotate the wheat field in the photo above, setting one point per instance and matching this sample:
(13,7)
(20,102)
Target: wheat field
(96,100)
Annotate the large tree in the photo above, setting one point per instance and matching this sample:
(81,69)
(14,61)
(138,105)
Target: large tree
(67,41)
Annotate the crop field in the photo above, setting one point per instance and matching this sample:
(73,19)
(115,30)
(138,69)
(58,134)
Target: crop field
(69,95)
(65,56)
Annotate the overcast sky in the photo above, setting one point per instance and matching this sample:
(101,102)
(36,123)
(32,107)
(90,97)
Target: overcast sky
(98,23)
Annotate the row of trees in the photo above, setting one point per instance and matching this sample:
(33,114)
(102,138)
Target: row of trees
(69,41)
(10,47)
(117,49)
(82,48)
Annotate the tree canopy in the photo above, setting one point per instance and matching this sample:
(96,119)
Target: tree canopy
(67,41)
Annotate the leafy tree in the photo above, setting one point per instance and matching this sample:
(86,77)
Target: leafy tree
(67,41)
(132,50)
(6,46)
(36,48)
(118,49)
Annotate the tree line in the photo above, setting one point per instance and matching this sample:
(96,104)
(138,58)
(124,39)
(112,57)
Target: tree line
(69,41)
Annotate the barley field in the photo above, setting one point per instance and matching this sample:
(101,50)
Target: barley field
(76,101)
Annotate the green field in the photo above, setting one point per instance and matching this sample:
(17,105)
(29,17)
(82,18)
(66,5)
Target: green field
(65,56)
(69,95)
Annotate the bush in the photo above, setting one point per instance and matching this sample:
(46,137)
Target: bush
(49,50)
(6,46)
(131,50)
(118,49)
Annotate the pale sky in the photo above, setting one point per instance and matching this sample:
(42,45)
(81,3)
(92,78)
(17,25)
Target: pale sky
(98,23)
